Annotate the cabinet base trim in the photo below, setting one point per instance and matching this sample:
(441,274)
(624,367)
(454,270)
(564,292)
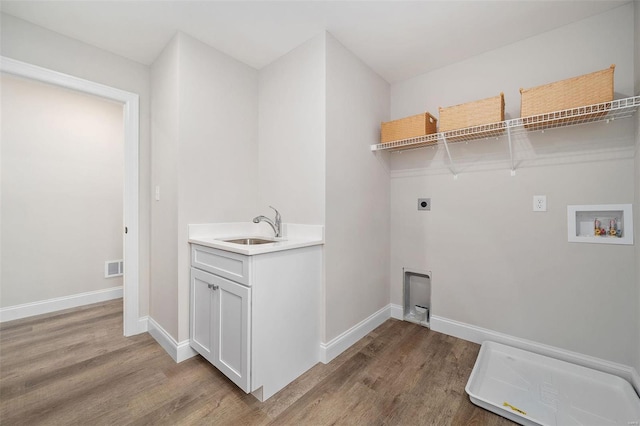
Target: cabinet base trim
(11,313)
(339,344)
(179,351)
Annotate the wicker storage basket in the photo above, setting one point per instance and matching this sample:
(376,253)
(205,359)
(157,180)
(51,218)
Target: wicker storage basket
(472,114)
(409,127)
(588,89)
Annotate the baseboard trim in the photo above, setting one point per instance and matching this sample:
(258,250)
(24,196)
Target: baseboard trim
(478,335)
(185,351)
(339,344)
(397,311)
(11,313)
(143,324)
(471,333)
(179,351)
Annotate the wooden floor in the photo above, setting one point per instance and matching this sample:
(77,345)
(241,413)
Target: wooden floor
(74,367)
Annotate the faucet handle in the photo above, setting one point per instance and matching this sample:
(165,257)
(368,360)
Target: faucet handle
(277,213)
(278,223)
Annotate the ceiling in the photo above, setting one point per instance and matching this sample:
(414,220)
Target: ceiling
(398,39)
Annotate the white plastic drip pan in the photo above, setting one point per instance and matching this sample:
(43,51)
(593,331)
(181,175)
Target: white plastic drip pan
(533,389)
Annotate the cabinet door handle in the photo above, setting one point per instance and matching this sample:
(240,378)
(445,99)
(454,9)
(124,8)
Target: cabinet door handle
(213,286)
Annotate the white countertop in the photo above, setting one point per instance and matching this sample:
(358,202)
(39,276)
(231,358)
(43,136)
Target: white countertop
(293,236)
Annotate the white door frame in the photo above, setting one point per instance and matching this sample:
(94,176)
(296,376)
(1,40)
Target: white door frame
(131,144)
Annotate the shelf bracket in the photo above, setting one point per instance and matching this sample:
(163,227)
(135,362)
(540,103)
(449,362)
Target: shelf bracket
(452,166)
(513,167)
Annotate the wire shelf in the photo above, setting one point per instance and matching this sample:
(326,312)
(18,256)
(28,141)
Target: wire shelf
(607,111)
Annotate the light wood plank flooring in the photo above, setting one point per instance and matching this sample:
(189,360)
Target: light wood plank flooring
(75,368)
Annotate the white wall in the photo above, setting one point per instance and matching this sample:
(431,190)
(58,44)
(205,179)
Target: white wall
(163,290)
(62,191)
(205,157)
(218,148)
(585,46)
(357,192)
(292,102)
(320,110)
(498,265)
(29,43)
(495,263)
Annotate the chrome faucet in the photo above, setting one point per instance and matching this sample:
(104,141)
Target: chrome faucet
(277,225)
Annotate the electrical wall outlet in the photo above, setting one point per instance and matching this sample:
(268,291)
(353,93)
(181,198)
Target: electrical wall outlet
(539,203)
(424,203)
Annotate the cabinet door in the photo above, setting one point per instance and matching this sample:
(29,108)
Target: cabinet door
(202,299)
(232,316)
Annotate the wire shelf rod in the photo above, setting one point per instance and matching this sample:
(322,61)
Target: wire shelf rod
(452,165)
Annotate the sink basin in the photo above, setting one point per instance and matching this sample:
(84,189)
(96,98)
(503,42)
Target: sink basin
(249,241)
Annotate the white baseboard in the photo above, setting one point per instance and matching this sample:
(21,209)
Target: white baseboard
(185,351)
(479,335)
(397,311)
(339,344)
(178,351)
(143,324)
(328,351)
(58,304)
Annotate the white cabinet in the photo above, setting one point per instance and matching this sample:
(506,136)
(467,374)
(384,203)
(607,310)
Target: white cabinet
(257,318)
(220,318)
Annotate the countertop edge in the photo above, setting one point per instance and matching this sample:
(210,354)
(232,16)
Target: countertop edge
(288,244)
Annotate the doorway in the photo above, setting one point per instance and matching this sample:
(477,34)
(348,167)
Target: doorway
(129,101)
